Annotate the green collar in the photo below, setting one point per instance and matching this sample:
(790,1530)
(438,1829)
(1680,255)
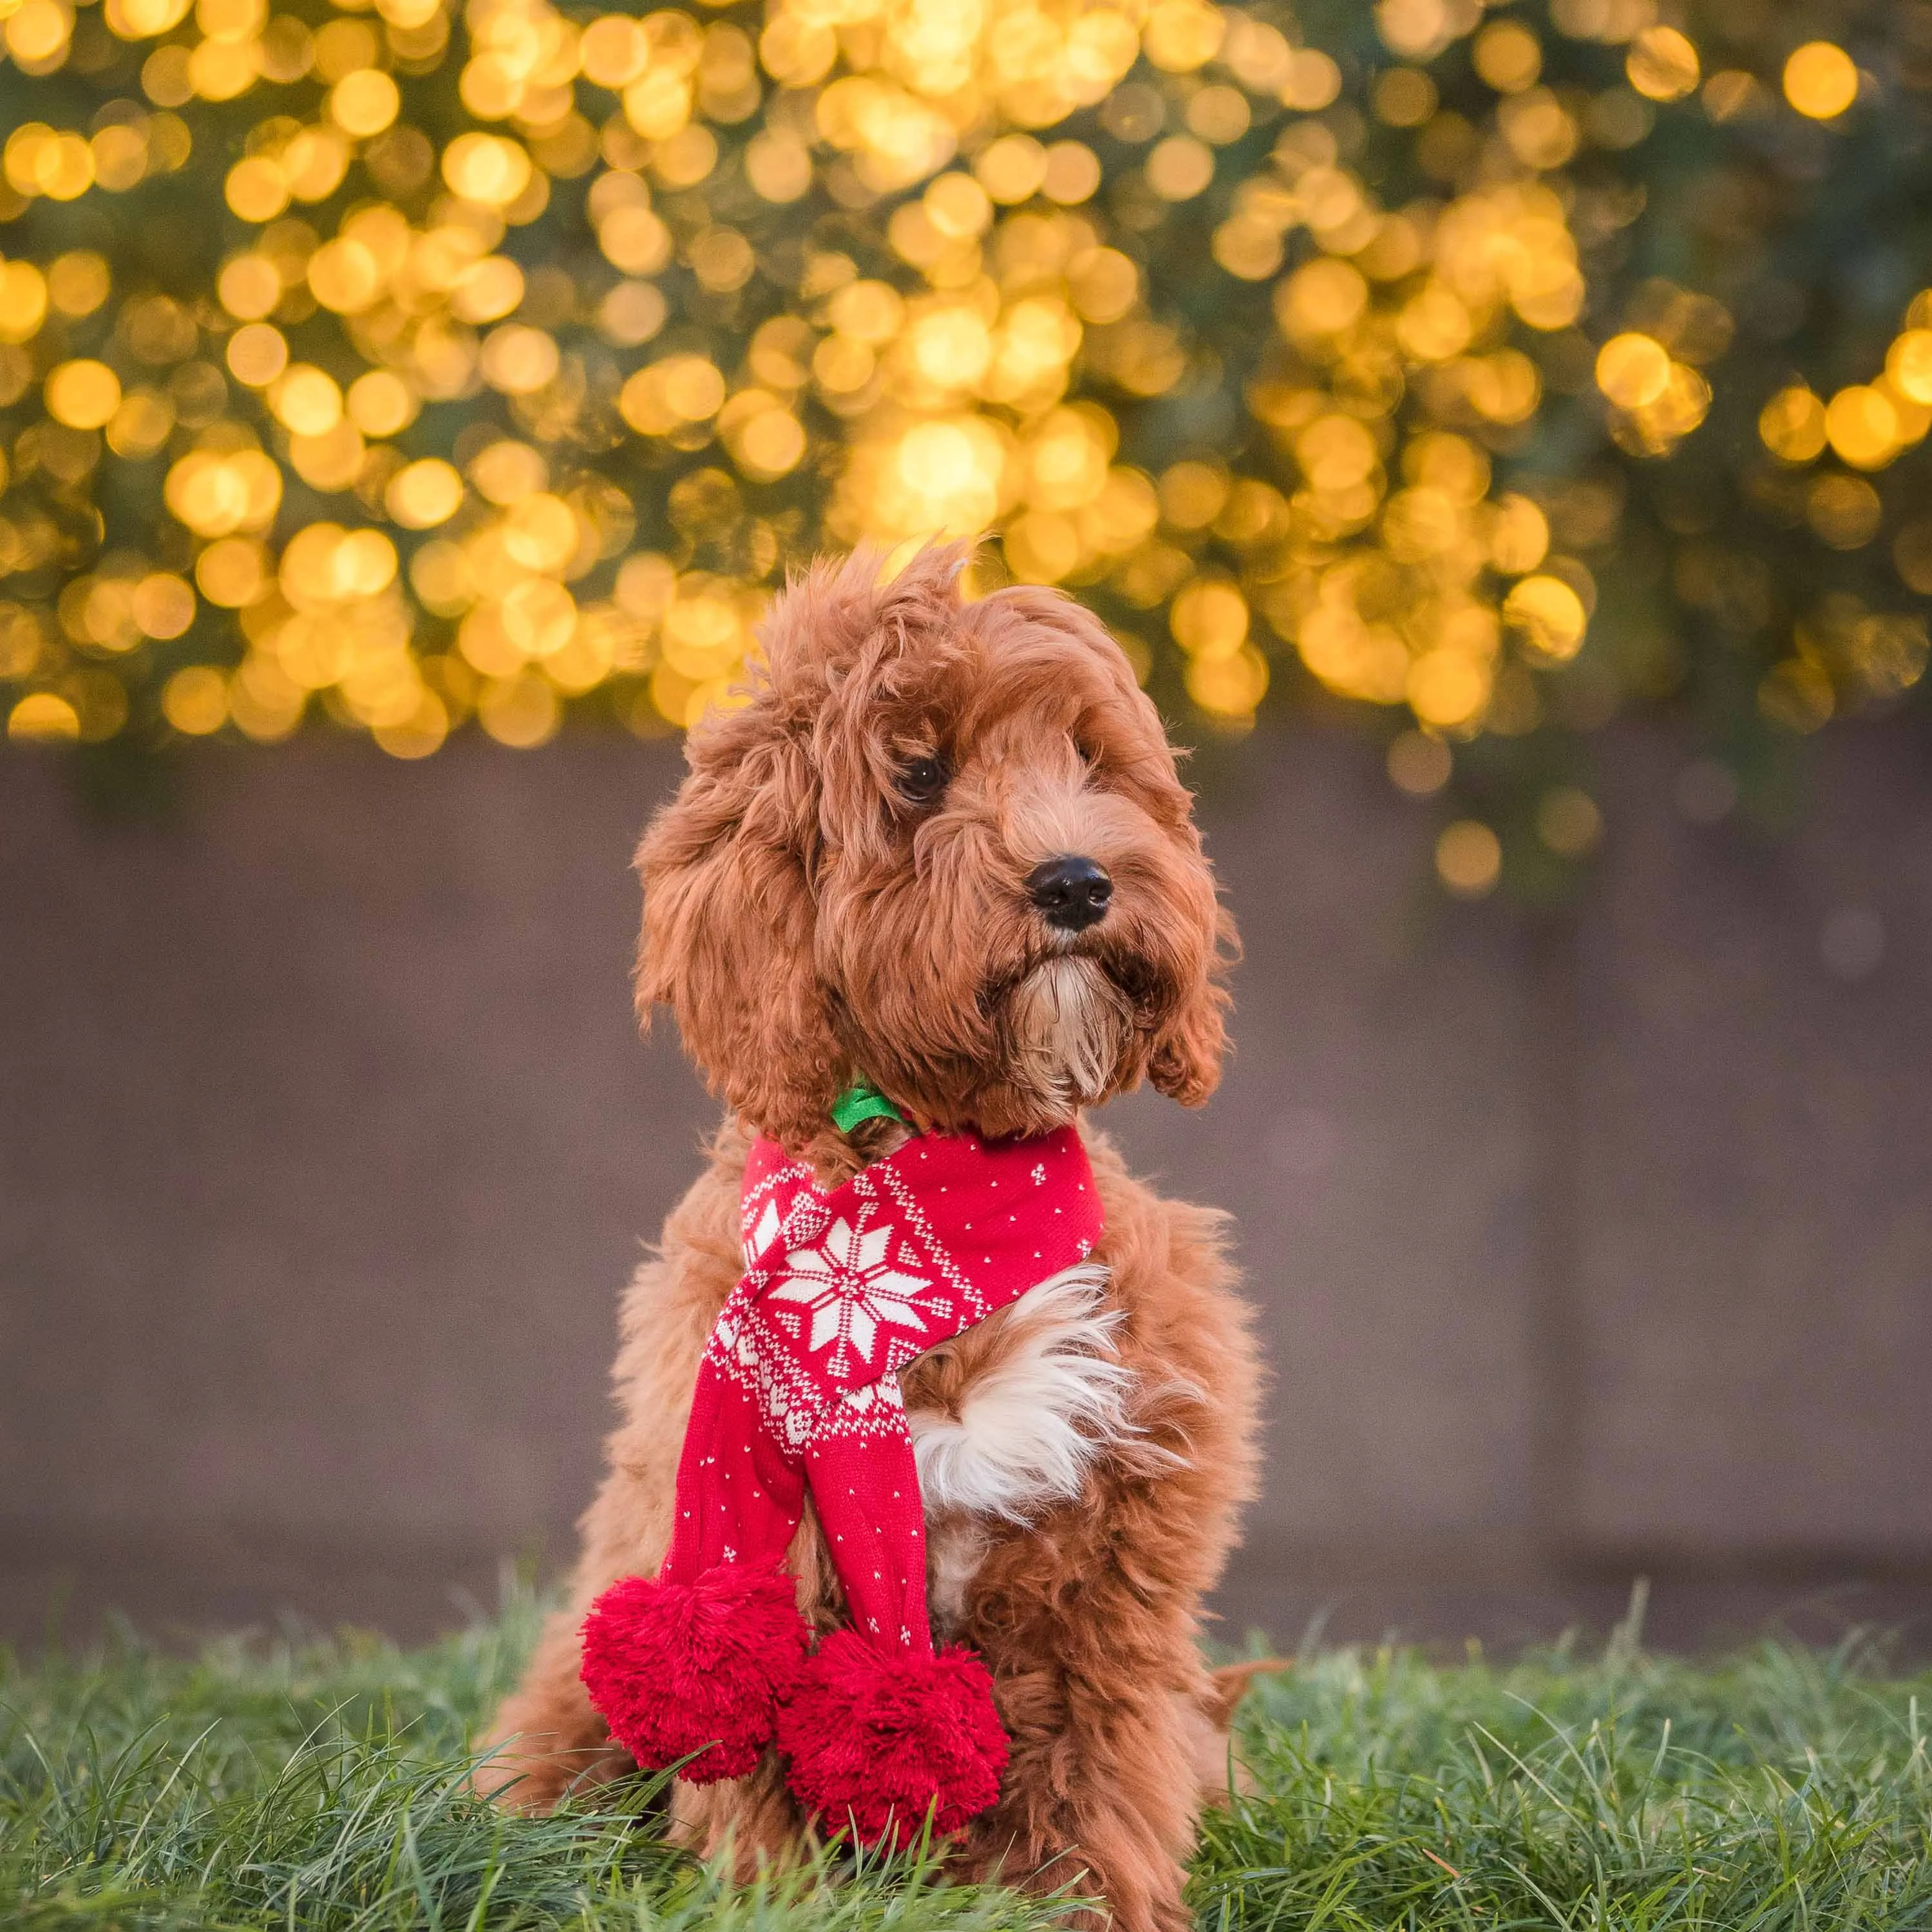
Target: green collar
(862,1101)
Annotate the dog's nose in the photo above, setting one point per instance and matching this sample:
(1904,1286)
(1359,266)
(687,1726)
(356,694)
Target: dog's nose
(1073,892)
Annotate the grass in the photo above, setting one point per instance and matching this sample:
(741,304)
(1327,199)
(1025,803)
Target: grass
(302,1783)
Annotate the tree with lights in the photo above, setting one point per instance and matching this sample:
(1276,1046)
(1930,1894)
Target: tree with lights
(1490,370)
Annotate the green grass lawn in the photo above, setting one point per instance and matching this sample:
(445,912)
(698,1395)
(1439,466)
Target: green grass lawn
(301,1784)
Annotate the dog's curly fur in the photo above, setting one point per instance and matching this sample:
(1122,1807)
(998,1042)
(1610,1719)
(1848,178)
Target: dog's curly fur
(807,920)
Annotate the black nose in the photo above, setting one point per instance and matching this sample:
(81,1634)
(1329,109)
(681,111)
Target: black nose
(1073,893)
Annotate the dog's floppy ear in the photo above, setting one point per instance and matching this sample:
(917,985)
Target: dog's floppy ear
(1185,1064)
(728,926)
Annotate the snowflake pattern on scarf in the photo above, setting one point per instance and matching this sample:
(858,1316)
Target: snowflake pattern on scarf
(836,1305)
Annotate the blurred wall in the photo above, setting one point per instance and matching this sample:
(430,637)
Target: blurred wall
(1582,1247)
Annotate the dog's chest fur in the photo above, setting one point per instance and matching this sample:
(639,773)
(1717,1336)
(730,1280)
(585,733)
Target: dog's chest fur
(1007,1419)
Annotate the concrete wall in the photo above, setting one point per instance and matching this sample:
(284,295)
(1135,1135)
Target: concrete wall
(1582,1248)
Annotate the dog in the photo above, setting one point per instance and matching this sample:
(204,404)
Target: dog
(943,847)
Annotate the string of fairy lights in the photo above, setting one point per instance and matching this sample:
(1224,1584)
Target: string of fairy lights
(1494,366)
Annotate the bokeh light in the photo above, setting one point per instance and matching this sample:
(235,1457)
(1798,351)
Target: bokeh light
(1820,80)
(406,367)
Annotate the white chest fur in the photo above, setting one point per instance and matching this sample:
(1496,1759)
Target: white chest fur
(1028,1429)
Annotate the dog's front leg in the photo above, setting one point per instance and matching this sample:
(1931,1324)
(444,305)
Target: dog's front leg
(546,1740)
(1100,1793)
(752,1824)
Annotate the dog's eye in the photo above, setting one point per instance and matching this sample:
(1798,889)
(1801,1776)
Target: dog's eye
(922,779)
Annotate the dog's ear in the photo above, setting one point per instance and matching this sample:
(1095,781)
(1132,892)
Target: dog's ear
(729,926)
(1185,1064)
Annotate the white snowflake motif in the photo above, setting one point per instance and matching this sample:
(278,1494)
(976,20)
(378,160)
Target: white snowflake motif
(851,1287)
(763,1235)
(802,1221)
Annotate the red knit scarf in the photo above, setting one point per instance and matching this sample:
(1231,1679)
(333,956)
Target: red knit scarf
(798,1392)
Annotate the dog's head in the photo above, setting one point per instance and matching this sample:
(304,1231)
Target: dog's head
(944,848)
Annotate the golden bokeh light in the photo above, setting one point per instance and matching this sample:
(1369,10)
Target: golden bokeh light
(1633,370)
(195,701)
(163,604)
(1663,65)
(1507,56)
(1468,858)
(258,352)
(1862,427)
(1820,80)
(1419,764)
(488,168)
(423,493)
(83,393)
(363,102)
(307,401)
(43,717)
(1792,425)
(232,572)
(381,402)
(1844,511)
(1549,614)
(1230,687)
(78,282)
(1569,821)
(1181,167)
(507,356)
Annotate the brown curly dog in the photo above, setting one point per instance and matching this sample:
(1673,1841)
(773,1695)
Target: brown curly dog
(943,846)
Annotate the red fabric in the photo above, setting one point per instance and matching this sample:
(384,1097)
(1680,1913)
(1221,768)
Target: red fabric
(878,1741)
(799,1380)
(718,1654)
(798,1390)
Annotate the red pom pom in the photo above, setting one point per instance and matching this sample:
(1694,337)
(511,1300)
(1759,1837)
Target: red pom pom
(878,1739)
(675,1666)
